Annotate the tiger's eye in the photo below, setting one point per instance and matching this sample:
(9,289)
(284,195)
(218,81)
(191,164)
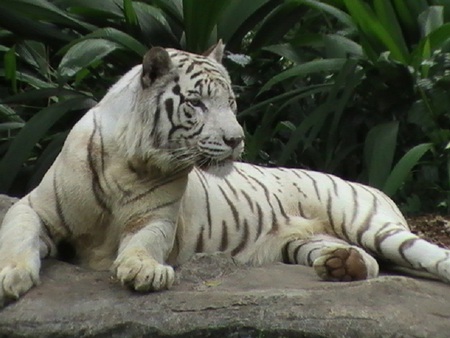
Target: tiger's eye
(195,102)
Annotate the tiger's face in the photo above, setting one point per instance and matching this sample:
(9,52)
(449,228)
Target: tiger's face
(195,120)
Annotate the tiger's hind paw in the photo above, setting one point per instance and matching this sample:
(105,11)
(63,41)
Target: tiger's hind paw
(15,280)
(144,274)
(341,265)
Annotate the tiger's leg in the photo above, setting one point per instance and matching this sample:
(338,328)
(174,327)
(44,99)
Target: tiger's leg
(22,244)
(141,255)
(333,259)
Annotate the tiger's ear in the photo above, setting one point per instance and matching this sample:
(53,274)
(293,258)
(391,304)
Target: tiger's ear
(215,52)
(156,63)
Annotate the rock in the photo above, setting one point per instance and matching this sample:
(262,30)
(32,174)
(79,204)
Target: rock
(216,297)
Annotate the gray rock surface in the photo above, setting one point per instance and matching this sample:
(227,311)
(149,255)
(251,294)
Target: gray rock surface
(215,297)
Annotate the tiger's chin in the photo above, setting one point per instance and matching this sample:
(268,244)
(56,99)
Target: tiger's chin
(217,168)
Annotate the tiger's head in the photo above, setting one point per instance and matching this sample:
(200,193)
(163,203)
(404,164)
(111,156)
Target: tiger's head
(184,113)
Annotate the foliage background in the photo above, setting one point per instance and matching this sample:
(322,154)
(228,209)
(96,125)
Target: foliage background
(360,89)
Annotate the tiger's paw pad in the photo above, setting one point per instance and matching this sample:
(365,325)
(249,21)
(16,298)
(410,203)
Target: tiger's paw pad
(341,265)
(144,274)
(15,280)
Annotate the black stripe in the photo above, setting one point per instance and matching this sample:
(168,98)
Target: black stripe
(199,246)
(314,182)
(224,239)
(275,225)
(259,170)
(166,181)
(329,213)
(208,207)
(249,200)
(243,242)
(283,212)
(99,193)
(231,188)
(232,207)
(367,221)
(285,252)
(333,182)
(59,208)
(308,257)
(260,220)
(406,245)
(245,177)
(300,210)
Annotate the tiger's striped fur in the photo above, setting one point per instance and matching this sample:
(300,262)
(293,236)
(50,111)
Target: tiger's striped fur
(132,190)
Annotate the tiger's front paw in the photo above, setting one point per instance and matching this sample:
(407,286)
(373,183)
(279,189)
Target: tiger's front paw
(341,265)
(144,273)
(15,280)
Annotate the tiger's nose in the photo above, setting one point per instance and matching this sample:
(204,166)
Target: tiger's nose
(232,142)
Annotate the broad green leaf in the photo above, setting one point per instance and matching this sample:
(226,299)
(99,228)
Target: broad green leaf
(403,168)
(38,94)
(310,90)
(379,150)
(388,18)
(30,28)
(83,54)
(35,54)
(337,46)
(431,19)
(343,17)
(154,26)
(326,65)
(94,8)
(129,14)
(237,14)
(200,18)
(22,145)
(277,24)
(377,35)
(110,35)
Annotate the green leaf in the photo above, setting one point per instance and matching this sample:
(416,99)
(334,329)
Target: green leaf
(326,65)
(83,54)
(22,145)
(377,36)
(6,113)
(337,46)
(200,19)
(435,40)
(379,150)
(112,35)
(237,14)
(11,67)
(43,93)
(130,15)
(403,168)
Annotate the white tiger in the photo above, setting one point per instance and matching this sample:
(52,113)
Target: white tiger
(132,191)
